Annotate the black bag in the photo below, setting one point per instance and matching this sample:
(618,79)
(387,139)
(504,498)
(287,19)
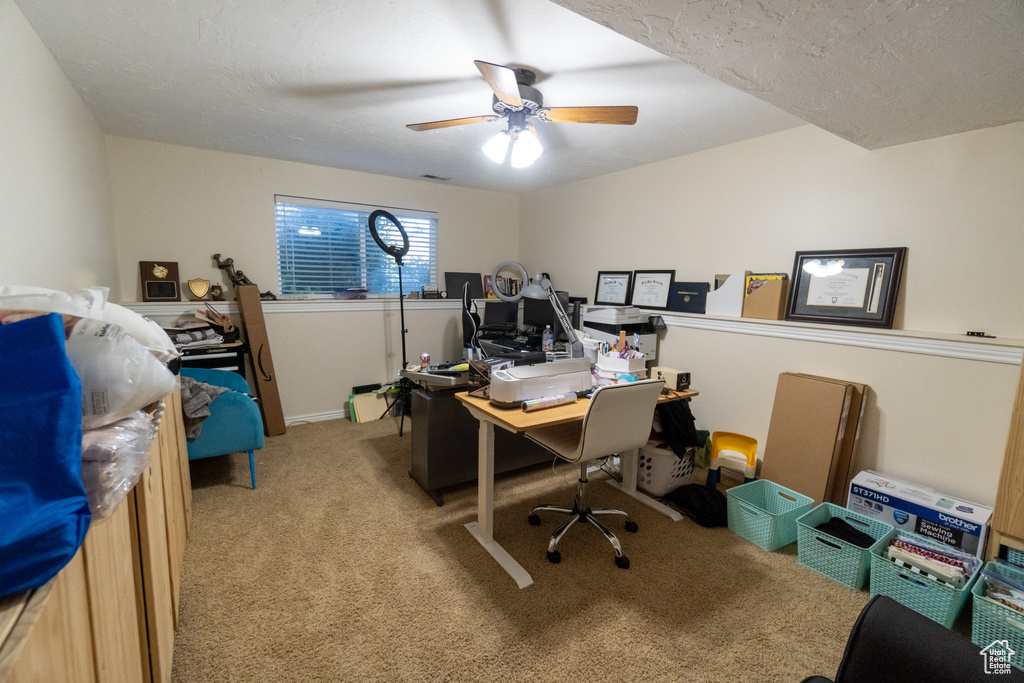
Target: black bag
(704,506)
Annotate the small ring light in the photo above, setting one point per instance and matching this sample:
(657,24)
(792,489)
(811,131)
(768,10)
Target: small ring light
(390,249)
(514,265)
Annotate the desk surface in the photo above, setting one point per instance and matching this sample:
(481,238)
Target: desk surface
(516,420)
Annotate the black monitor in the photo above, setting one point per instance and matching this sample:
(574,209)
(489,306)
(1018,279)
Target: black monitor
(453,285)
(540,312)
(501,313)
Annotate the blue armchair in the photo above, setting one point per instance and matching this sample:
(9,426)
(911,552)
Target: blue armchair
(234,425)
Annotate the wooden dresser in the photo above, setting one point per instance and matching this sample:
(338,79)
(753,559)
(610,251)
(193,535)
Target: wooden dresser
(110,615)
(1008,518)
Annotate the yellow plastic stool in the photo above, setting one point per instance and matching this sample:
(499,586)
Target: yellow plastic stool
(734,449)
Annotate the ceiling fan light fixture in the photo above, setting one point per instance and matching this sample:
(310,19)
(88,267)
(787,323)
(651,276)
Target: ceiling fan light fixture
(497,147)
(526,149)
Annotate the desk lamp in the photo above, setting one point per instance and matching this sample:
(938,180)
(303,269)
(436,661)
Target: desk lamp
(539,287)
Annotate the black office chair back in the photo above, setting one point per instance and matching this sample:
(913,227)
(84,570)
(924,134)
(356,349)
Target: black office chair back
(470,319)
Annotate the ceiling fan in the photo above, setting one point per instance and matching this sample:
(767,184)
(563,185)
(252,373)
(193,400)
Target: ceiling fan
(516,99)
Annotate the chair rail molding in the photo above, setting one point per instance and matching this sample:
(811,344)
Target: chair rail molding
(1007,351)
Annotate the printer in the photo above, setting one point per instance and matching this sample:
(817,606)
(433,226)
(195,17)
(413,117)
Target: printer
(604,323)
(511,386)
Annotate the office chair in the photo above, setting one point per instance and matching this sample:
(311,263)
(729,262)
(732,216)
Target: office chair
(470,323)
(618,419)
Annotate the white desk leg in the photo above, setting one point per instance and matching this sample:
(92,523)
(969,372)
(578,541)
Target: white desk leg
(628,463)
(483,528)
(485,483)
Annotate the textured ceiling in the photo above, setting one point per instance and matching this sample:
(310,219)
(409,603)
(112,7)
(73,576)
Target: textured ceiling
(876,73)
(334,83)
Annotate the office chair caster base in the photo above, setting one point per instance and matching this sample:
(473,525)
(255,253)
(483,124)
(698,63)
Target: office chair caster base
(554,557)
(622,562)
(534,520)
(632,527)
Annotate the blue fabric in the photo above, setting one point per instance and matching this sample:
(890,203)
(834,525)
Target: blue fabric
(44,511)
(234,425)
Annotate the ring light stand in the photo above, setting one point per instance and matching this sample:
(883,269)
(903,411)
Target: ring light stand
(396,252)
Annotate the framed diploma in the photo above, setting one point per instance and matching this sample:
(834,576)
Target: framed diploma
(613,287)
(850,287)
(651,288)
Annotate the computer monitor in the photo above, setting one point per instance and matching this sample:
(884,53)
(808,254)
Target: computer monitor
(453,285)
(540,312)
(501,314)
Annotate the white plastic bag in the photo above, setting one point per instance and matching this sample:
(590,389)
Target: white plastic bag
(113,459)
(118,375)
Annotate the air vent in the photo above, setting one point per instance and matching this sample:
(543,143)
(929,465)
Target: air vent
(430,176)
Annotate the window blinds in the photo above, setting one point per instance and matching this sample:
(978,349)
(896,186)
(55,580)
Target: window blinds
(325,246)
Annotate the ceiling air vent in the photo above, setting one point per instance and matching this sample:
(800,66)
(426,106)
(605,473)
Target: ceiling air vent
(430,176)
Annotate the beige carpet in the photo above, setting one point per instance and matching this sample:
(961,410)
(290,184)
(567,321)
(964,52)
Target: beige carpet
(339,568)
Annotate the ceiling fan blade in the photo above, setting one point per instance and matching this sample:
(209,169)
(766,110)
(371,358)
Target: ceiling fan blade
(625,116)
(502,81)
(448,123)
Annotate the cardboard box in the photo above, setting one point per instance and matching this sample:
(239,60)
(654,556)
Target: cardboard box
(806,434)
(958,523)
(265,379)
(842,469)
(768,301)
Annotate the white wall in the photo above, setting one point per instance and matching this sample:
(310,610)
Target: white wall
(181,204)
(955,202)
(56,230)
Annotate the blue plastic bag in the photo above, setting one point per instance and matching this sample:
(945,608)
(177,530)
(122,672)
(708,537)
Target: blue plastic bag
(44,511)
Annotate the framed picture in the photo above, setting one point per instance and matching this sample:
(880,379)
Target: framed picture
(651,288)
(613,287)
(846,287)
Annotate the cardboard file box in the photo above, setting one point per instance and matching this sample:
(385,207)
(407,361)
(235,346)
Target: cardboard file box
(767,302)
(918,509)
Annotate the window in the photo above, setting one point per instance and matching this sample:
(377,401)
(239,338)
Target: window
(325,247)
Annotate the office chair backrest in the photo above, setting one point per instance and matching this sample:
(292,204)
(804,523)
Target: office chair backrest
(619,418)
(470,319)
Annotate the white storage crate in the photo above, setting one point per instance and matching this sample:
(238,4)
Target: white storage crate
(660,470)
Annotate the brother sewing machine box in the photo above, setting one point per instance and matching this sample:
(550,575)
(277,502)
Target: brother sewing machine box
(918,509)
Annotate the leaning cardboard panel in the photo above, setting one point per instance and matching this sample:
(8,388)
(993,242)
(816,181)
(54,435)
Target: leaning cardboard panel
(251,309)
(842,469)
(806,432)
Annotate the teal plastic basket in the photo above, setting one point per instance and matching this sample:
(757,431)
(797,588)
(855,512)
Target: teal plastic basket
(1015,556)
(992,621)
(835,558)
(934,600)
(765,513)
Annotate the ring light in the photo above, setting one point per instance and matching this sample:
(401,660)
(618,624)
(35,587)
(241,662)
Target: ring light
(390,249)
(514,265)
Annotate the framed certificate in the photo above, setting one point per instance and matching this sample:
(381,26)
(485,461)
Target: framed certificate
(850,287)
(651,288)
(613,287)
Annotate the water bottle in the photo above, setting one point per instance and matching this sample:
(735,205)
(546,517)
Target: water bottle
(547,339)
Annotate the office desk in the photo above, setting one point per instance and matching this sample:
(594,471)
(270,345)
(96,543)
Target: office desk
(518,421)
